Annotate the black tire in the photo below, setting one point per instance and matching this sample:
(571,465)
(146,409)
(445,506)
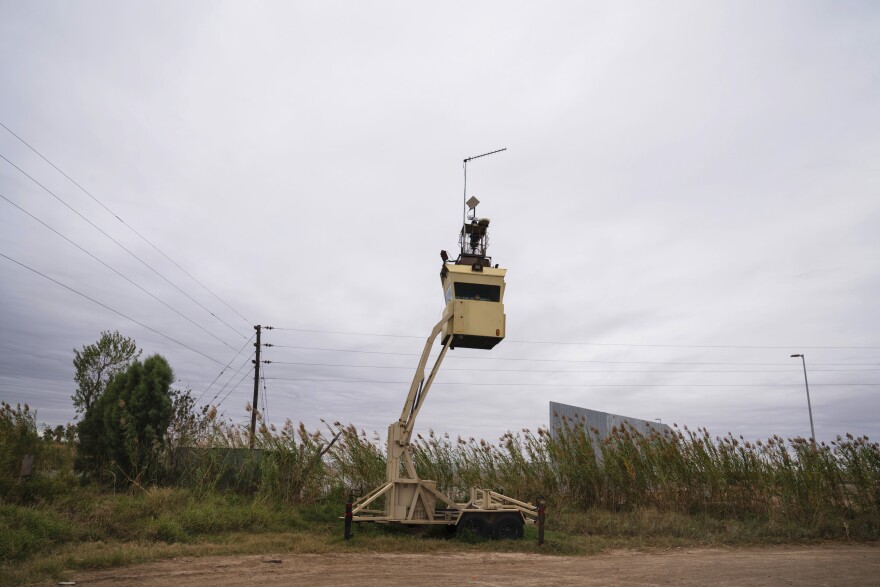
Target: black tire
(476,524)
(508,527)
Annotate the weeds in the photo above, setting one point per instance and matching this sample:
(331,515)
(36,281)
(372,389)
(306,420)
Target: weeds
(627,489)
(686,471)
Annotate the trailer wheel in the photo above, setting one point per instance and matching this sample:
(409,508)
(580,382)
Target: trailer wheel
(507,527)
(476,524)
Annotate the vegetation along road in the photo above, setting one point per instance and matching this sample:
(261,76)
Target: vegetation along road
(148,488)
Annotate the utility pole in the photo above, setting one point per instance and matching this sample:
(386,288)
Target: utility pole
(256,362)
(809,405)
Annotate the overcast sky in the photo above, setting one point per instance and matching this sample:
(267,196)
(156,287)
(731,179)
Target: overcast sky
(689,187)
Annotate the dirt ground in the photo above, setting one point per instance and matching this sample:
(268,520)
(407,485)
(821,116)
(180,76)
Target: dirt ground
(809,565)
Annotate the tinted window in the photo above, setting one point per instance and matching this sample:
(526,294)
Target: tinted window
(478,291)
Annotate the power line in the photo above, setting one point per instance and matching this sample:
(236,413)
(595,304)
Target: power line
(470,383)
(231,377)
(88,193)
(120,245)
(237,385)
(692,346)
(572,370)
(490,358)
(612,344)
(79,293)
(119,274)
(223,370)
(350,333)
(265,397)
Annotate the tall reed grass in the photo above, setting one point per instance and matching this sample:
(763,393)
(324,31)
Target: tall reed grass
(686,471)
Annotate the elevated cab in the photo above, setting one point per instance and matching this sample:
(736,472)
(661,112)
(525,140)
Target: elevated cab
(474,292)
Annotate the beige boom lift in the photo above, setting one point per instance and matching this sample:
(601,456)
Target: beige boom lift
(473,318)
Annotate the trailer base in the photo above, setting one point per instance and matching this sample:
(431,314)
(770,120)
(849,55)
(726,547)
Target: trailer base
(413,502)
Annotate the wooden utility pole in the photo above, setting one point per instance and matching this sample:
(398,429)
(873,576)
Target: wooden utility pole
(258,328)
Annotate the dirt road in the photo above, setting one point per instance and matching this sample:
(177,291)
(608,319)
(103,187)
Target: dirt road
(812,565)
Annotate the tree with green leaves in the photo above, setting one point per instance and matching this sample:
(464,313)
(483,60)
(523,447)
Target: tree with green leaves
(96,364)
(123,432)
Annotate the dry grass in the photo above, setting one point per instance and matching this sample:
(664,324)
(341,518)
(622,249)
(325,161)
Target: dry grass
(629,490)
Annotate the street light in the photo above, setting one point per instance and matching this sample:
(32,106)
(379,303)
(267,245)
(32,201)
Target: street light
(809,407)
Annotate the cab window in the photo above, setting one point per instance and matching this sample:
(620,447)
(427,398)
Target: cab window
(478,291)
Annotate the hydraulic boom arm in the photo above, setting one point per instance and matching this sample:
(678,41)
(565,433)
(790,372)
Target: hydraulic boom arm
(400,432)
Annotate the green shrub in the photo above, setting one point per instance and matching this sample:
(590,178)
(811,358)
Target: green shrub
(123,431)
(166,529)
(18,437)
(26,530)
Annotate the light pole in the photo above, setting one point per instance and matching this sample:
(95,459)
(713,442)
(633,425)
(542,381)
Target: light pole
(809,407)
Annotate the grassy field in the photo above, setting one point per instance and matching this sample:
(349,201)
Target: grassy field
(212,495)
(91,528)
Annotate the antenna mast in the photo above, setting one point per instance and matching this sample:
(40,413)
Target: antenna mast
(464,198)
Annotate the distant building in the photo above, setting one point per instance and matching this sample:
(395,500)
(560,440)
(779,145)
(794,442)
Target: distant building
(601,421)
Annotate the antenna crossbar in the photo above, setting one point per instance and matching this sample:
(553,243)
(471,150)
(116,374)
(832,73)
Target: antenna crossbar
(484,155)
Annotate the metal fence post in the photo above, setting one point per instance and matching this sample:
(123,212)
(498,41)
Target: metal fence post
(348,516)
(541,508)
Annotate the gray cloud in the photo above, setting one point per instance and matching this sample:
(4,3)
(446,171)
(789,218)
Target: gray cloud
(684,174)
